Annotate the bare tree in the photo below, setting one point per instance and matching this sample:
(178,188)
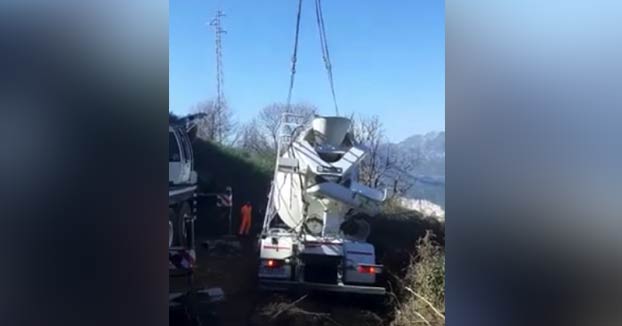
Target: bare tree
(397,175)
(217,125)
(369,132)
(270,117)
(382,167)
(252,139)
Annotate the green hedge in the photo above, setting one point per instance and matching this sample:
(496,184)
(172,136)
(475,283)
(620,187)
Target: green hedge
(248,175)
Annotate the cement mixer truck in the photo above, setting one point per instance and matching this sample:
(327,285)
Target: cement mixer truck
(310,238)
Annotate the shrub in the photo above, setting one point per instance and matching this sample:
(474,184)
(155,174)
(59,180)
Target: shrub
(424,286)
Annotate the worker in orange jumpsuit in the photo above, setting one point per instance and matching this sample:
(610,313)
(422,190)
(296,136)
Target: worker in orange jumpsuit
(245,218)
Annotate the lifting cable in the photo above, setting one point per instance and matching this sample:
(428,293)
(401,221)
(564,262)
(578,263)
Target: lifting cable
(324,45)
(291,79)
(325,54)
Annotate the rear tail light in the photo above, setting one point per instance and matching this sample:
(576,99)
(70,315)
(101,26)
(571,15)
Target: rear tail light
(367,269)
(273,263)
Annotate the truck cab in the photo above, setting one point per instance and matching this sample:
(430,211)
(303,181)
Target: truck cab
(180,160)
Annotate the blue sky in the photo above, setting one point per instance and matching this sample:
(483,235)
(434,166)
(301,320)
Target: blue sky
(388,58)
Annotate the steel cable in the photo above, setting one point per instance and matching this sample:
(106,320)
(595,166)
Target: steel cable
(325,54)
(291,80)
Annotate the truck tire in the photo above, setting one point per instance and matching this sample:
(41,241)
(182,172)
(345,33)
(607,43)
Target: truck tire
(178,219)
(171,231)
(172,222)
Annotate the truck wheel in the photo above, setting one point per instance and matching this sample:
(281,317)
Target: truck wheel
(178,220)
(171,232)
(172,222)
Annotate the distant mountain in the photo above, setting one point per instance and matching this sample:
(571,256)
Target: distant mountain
(422,158)
(428,151)
(431,143)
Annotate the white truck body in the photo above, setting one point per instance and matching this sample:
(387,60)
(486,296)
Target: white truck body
(182,180)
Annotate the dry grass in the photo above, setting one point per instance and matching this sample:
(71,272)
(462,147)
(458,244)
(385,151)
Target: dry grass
(423,299)
(313,311)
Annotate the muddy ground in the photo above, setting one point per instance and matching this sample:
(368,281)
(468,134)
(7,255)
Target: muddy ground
(234,271)
(231,264)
